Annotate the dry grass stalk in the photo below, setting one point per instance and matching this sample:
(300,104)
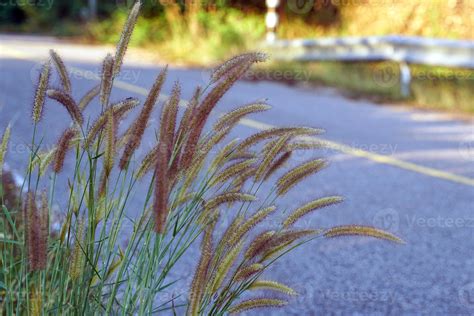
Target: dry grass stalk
(77,260)
(295,175)
(40,93)
(107,80)
(138,126)
(277,164)
(88,97)
(258,244)
(229,197)
(36,244)
(272,285)
(110,143)
(125,37)
(201,274)
(228,66)
(162,189)
(119,109)
(309,207)
(251,223)
(224,267)
(273,132)
(256,303)
(62,148)
(271,152)
(63,75)
(4,147)
(248,271)
(68,102)
(351,230)
(232,171)
(233,117)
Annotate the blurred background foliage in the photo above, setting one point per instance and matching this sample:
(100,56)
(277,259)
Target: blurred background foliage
(222,27)
(204,32)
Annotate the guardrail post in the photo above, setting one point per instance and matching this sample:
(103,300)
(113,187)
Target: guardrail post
(271,19)
(405,79)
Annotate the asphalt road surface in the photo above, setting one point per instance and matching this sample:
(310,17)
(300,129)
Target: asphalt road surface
(408,171)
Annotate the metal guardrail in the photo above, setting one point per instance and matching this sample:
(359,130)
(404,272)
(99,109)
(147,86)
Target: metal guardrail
(402,49)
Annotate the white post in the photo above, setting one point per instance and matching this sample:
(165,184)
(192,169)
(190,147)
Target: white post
(405,79)
(271,19)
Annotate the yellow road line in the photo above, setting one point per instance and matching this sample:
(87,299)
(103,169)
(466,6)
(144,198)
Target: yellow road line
(377,158)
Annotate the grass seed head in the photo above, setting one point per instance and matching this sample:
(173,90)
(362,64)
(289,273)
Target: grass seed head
(43,82)
(62,148)
(256,303)
(61,68)
(353,230)
(68,102)
(106,80)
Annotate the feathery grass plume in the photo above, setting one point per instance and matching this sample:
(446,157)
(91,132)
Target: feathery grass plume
(232,117)
(295,175)
(240,180)
(110,142)
(270,154)
(222,156)
(63,75)
(43,82)
(309,207)
(277,164)
(272,285)
(106,80)
(204,110)
(169,125)
(251,223)
(351,230)
(138,126)
(305,145)
(228,66)
(4,147)
(258,243)
(283,239)
(44,219)
(224,241)
(189,113)
(248,271)
(256,303)
(63,146)
(88,97)
(229,197)
(35,243)
(119,109)
(273,132)
(242,155)
(125,36)
(36,301)
(204,147)
(232,171)
(78,256)
(172,110)
(148,162)
(162,188)
(68,102)
(185,197)
(224,266)
(202,270)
